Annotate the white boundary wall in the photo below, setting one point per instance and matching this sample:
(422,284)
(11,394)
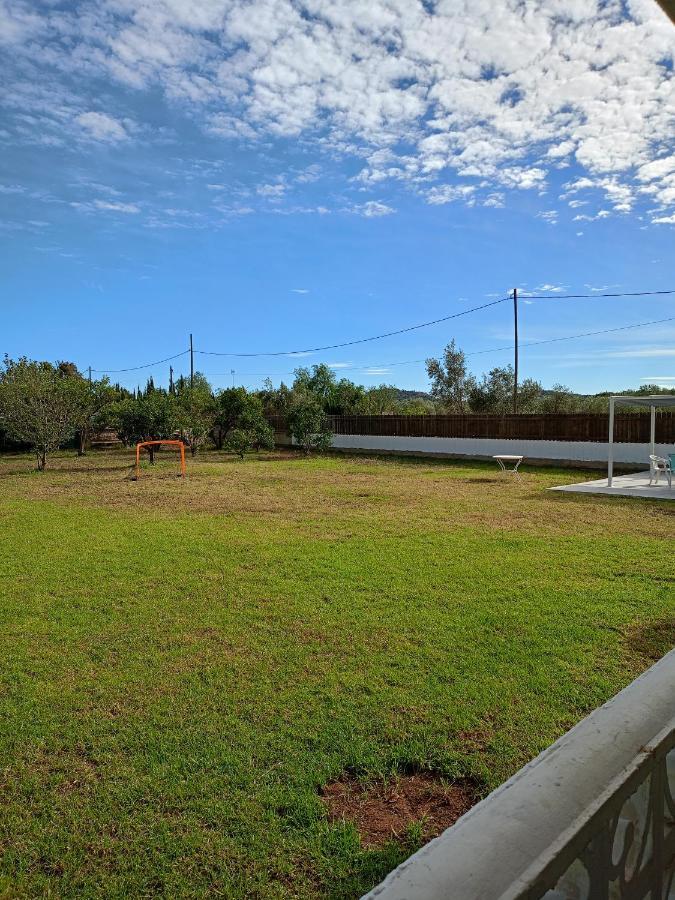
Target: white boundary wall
(563,451)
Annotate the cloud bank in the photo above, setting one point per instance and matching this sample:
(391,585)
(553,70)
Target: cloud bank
(458,100)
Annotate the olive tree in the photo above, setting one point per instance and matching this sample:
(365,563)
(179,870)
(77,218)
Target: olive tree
(494,392)
(38,406)
(450,381)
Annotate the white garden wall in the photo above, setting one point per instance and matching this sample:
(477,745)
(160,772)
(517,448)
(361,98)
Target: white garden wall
(575,452)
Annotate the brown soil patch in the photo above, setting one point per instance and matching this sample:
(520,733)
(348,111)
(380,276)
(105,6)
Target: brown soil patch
(652,639)
(383,811)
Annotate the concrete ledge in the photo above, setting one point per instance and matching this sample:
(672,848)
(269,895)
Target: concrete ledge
(501,847)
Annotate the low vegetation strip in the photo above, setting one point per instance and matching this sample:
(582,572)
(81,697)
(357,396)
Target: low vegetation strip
(189,665)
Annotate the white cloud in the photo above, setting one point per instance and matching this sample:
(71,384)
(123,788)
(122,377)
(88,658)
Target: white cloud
(643,353)
(447,193)
(416,91)
(664,220)
(107,206)
(18,23)
(372,209)
(272,191)
(101,127)
(299,290)
(117,207)
(496,199)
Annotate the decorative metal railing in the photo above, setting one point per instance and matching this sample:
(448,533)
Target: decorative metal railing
(592,818)
(626,848)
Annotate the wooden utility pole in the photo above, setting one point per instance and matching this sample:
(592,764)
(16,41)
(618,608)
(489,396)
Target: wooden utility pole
(192,365)
(89,374)
(171,388)
(515,350)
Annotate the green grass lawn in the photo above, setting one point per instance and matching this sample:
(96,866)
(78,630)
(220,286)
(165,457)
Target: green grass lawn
(184,664)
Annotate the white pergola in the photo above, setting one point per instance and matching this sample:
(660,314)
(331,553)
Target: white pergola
(652,401)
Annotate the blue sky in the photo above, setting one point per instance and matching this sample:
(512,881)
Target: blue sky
(274,175)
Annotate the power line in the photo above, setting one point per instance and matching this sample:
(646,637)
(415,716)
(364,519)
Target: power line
(410,362)
(410,328)
(144,366)
(377,337)
(595,296)
(571,337)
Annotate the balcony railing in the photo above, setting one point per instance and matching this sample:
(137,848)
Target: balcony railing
(591,818)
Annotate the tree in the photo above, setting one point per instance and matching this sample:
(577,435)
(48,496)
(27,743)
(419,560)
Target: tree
(450,383)
(308,425)
(259,437)
(149,418)
(319,383)
(275,401)
(195,412)
(335,397)
(494,392)
(230,404)
(90,399)
(559,399)
(380,400)
(37,406)
(242,423)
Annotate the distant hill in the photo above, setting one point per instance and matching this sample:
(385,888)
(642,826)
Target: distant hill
(413,395)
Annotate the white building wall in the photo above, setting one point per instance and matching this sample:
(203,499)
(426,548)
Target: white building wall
(568,451)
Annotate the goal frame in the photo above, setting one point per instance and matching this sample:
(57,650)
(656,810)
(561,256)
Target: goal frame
(143,444)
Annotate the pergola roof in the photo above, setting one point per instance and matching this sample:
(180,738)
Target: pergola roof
(646,399)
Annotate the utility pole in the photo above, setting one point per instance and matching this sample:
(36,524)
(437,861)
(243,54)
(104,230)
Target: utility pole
(89,374)
(232,373)
(515,351)
(171,379)
(192,364)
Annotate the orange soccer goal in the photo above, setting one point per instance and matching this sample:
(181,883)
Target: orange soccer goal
(149,444)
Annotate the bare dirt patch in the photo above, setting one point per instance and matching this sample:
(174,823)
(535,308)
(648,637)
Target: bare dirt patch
(652,639)
(384,811)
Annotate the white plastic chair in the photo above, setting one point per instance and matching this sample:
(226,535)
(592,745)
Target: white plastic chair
(658,465)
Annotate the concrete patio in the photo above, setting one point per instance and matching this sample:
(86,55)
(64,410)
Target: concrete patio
(634,485)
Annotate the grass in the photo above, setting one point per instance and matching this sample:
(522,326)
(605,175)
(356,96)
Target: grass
(185,663)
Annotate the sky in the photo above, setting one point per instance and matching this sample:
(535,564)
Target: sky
(279,175)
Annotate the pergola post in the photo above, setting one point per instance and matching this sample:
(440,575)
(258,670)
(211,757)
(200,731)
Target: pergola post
(652,429)
(610,447)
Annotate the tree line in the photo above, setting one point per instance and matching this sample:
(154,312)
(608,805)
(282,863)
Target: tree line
(456,390)
(45,406)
